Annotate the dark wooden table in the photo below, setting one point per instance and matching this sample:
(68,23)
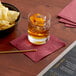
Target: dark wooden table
(20,65)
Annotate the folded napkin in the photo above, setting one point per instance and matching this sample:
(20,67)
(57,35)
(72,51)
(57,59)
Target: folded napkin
(51,46)
(68,23)
(68,14)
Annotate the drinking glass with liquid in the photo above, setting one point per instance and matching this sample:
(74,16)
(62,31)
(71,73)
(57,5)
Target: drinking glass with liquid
(38,28)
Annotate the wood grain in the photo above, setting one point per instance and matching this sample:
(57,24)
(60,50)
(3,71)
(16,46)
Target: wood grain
(19,64)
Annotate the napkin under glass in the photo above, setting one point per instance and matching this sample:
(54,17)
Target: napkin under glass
(51,46)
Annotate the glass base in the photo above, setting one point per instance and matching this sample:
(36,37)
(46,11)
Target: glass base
(38,41)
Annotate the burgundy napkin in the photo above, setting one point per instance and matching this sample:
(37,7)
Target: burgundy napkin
(68,14)
(51,46)
(68,23)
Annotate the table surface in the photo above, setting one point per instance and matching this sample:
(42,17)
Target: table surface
(18,64)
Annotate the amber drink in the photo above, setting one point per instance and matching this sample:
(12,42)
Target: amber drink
(38,29)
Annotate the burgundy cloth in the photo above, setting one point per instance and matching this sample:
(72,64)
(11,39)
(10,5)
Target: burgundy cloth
(68,23)
(51,46)
(68,14)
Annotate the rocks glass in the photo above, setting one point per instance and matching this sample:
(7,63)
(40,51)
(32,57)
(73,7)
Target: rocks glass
(38,27)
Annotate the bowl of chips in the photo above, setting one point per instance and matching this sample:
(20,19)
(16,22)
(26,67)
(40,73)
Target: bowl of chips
(9,18)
